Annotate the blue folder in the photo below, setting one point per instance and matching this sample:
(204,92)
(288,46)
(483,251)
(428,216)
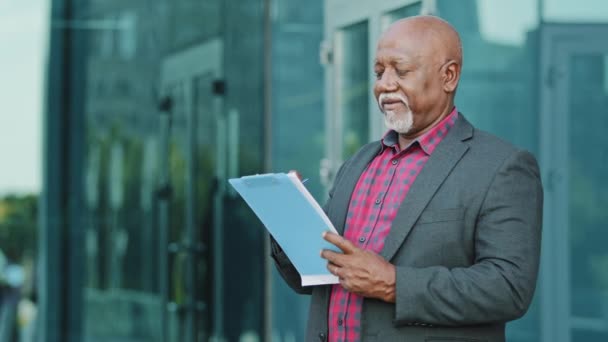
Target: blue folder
(293,218)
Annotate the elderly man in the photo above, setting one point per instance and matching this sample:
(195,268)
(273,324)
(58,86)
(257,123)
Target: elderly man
(440,222)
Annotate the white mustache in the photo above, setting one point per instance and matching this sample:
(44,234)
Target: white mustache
(391,96)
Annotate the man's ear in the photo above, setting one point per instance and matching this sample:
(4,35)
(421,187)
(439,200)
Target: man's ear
(451,76)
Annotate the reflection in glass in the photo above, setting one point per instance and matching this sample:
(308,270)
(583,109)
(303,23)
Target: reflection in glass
(180,161)
(122,298)
(588,200)
(588,11)
(497,86)
(403,12)
(298,133)
(353,88)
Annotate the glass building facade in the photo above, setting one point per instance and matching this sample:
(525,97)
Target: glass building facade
(152,105)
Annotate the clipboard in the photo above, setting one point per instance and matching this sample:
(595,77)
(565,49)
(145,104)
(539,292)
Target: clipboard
(293,218)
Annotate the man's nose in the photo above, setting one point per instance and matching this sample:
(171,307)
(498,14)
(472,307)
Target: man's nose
(387,82)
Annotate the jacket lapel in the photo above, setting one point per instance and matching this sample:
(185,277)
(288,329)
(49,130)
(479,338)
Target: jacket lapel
(346,185)
(438,167)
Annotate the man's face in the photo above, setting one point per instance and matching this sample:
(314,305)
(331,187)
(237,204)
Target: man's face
(408,83)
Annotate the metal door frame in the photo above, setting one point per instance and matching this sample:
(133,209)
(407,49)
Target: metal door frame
(558,43)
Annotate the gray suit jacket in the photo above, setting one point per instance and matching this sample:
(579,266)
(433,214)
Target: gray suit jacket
(465,243)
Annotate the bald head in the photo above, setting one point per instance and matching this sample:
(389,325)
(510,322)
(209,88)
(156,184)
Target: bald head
(417,66)
(433,36)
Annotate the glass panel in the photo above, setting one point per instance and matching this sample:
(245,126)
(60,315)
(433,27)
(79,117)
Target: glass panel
(403,12)
(298,135)
(353,88)
(184,15)
(588,200)
(593,11)
(244,238)
(118,231)
(587,335)
(298,132)
(181,159)
(498,83)
(124,46)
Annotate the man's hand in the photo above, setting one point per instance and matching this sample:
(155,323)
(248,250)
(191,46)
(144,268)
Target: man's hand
(362,272)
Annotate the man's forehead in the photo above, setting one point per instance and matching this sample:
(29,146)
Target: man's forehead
(384,56)
(407,36)
(399,53)
(419,25)
(407,46)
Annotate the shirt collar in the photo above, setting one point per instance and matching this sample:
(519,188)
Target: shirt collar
(429,140)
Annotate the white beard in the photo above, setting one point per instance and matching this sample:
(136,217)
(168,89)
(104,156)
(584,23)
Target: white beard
(399,122)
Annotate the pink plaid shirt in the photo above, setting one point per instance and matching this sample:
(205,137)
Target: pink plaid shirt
(373,206)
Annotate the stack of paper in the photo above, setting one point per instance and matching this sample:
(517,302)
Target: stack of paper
(293,218)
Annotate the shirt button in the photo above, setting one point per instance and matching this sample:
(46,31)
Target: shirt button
(378,201)
(340,321)
(362,239)
(395,161)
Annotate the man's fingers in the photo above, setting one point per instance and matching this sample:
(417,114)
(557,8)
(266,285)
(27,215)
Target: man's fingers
(333,269)
(346,246)
(333,257)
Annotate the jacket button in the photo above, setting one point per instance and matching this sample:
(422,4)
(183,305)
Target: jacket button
(322,337)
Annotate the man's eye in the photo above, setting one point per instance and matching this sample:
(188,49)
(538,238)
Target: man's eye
(378,74)
(402,72)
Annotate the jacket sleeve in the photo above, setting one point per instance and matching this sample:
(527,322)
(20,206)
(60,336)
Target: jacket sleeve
(286,269)
(282,262)
(499,286)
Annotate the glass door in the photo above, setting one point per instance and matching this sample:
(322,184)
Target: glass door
(352,88)
(192,171)
(575,261)
(351,114)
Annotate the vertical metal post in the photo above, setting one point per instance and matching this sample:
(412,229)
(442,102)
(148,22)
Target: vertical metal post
(218,224)
(267,304)
(163,194)
(189,238)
